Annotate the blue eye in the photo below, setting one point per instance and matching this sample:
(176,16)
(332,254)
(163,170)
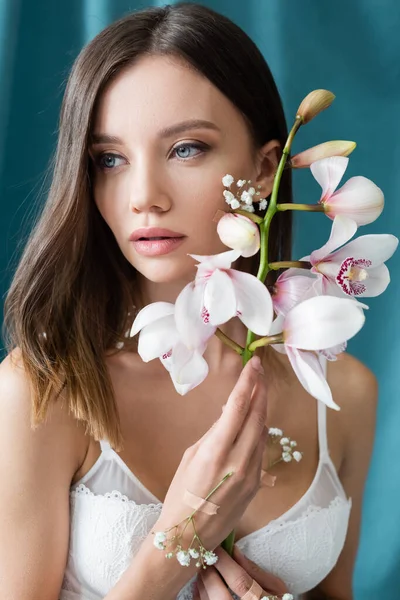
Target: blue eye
(108,161)
(186,150)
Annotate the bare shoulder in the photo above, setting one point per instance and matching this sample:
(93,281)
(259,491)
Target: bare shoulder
(355,389)
(16,410)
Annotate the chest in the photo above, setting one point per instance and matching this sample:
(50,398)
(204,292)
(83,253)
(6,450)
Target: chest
(158,425)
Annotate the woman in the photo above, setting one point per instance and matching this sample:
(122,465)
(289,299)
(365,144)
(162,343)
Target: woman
(96,447)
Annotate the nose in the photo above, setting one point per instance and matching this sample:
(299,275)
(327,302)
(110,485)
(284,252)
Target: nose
(148,190)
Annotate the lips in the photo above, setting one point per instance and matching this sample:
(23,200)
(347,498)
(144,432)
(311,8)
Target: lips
(154,234)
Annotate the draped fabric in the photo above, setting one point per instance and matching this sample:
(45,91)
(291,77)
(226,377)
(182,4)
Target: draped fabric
(351,48)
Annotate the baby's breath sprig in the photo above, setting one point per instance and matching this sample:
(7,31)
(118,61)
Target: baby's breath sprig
(288,447)
(196,549)
(242,199)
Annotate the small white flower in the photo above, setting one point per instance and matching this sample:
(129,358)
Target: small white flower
(227,180)
(286,457)
(251,191)
(198,564)
(240,182)
(287,597)
(183,558)
(284,441)
(194,553)
(263,204)
(169,555)
(287,449)
(235,204)
(210,558)
(293,444)
(229,197)
(159,539)
(248,207)
(246,198)
(297,456)
(275,431)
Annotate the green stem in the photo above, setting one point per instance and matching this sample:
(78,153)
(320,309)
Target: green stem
(263,269)
(265,341)
(303,207)
(288,264)
(229,342)
(250,216)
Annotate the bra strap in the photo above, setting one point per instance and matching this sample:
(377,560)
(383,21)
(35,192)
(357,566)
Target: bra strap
(105,446)
(322,429)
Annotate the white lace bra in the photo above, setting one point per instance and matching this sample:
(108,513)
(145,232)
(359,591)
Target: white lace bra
(112,512)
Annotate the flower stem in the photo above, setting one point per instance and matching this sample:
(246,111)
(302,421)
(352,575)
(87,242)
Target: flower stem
(229,342)
(303,207)
(287,264)
(265,341)
(264,267)
(250,216)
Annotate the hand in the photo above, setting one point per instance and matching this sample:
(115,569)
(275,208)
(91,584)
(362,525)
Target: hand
(237,573)
(234,443)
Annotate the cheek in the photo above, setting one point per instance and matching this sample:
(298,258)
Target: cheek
(106,197)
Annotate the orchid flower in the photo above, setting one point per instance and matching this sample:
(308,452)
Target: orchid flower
(240,233)
(357,268)
(293,286)
(314,325)
(219,293)
(359,198)
(159,338)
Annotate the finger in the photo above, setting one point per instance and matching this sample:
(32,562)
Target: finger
(268,581)
(233,574)
(254,425)
(214,586)
(237,407)
(202,590)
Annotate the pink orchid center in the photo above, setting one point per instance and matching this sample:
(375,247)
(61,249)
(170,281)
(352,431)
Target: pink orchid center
(205,315)
(351,275)
(167,354)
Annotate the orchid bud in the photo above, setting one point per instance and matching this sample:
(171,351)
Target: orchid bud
(325,150)
(315,102)
(239,233)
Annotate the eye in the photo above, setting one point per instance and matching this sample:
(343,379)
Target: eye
(183,151)
(108,161)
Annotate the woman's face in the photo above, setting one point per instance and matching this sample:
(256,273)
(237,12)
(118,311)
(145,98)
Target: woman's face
(154,166)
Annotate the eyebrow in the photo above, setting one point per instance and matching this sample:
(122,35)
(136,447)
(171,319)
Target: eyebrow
(103,138)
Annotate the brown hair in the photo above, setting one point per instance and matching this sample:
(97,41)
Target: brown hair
(71,292)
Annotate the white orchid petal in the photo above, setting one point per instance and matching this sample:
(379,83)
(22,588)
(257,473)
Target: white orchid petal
(290,291)
(310,373)
(219,298)
(191,371)
(359,199)
(376,247)
(157,338)
(192,329)
(342,230)
(322,322)
(328,172)
(150,313)
(376,283)
(216,261)
(254,302)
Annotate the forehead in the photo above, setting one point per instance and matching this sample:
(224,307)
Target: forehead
(158,91)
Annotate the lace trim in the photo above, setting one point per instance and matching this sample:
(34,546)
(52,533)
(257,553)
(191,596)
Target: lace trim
(277,525)
(82,490)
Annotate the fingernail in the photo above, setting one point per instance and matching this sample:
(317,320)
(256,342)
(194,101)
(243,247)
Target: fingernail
(256,363)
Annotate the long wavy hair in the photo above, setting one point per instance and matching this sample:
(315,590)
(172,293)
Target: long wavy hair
(69,301)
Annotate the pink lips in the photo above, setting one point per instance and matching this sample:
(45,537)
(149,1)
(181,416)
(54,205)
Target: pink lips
(155,241)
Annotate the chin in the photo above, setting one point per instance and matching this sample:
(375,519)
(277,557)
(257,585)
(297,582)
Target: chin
(168,272)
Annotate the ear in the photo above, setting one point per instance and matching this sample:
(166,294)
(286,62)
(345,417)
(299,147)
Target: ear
(267,162)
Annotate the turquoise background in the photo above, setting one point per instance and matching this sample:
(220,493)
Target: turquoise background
(351,48)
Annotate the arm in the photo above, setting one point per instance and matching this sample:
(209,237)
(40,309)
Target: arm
(355,389)
(36,467)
